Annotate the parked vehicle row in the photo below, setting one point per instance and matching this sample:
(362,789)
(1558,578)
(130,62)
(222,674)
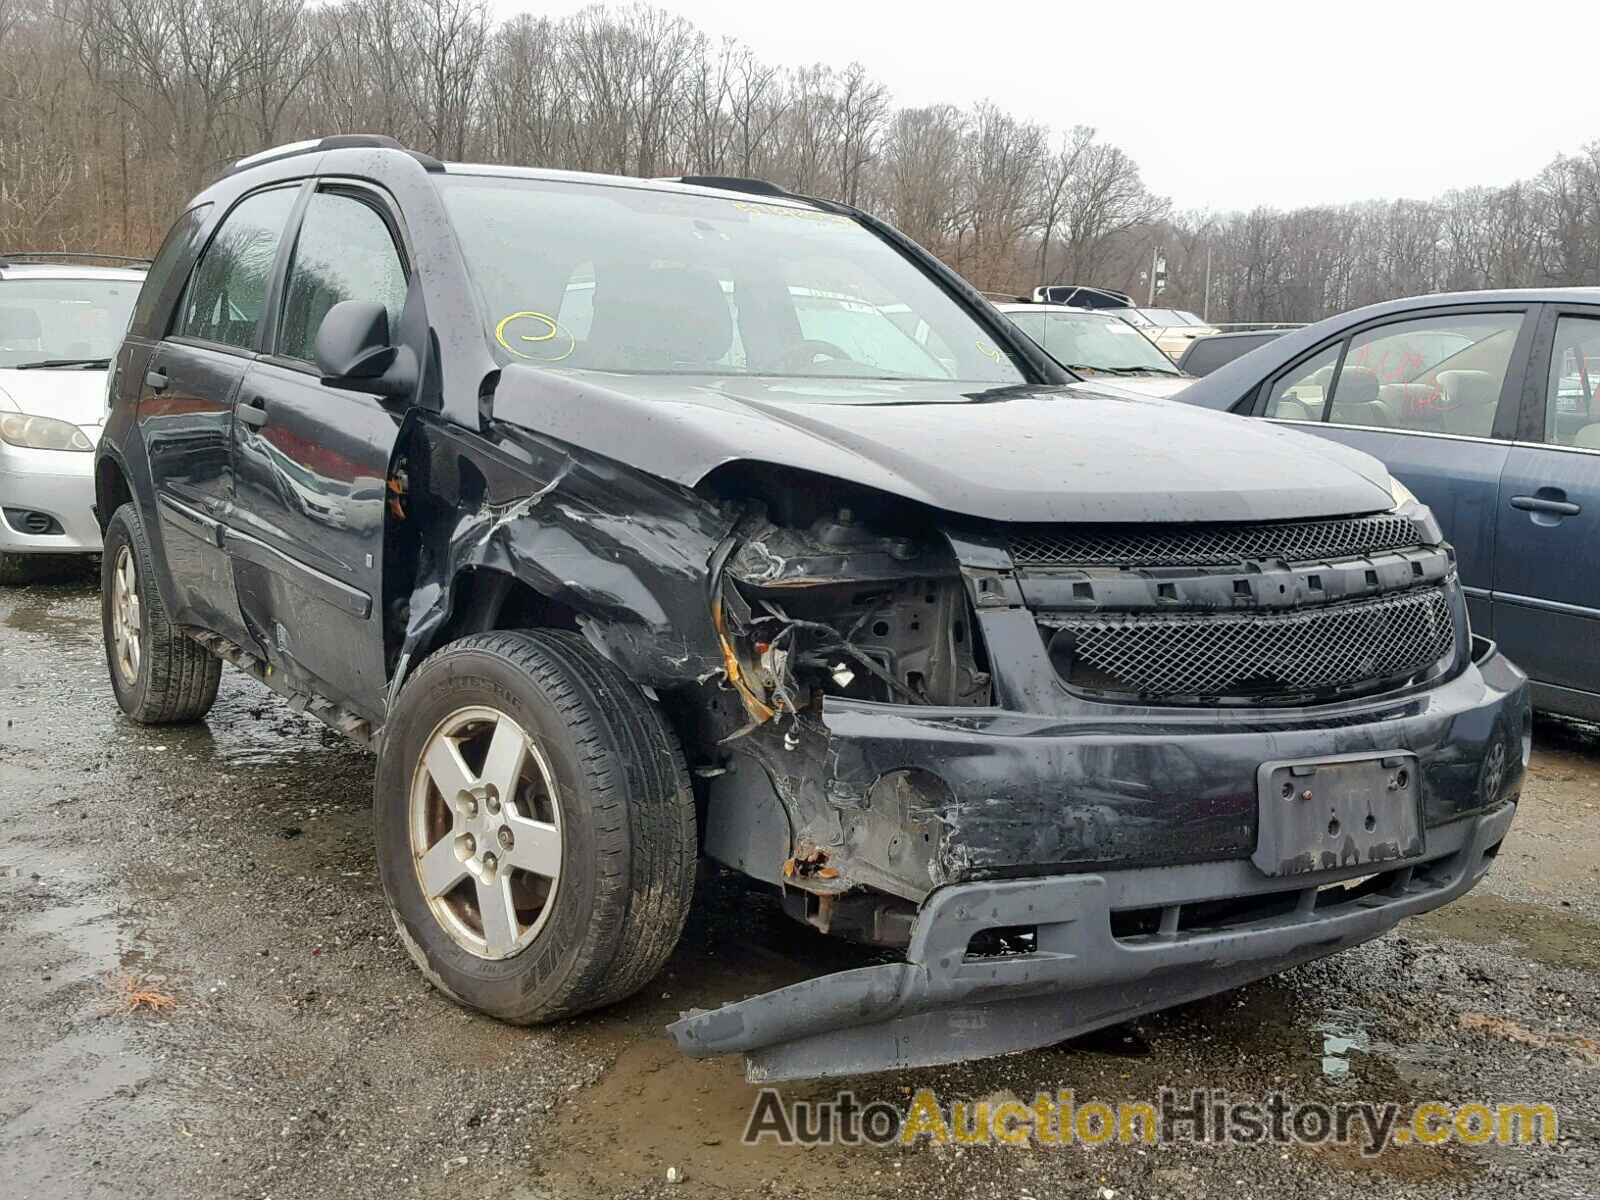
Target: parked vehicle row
(630,521)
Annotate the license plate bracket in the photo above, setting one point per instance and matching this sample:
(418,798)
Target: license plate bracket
(1343,811)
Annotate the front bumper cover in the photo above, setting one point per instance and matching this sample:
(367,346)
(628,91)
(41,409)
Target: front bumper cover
(942,1005)
(58,483)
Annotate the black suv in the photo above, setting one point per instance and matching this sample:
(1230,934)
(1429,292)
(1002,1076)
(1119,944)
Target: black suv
(631,521)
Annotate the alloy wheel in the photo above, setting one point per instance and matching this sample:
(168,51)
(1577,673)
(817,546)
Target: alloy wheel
(486,831)
(126,622)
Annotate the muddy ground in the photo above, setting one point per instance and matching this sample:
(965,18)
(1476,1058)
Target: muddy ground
(229,867)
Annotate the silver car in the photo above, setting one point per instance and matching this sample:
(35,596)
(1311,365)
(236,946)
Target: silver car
(60,325)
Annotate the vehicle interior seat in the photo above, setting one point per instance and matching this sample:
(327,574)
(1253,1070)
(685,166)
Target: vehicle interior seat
(1588,438)
(1356,400)
(658,319)
(1467,402)
(1289,408)
(1413,405)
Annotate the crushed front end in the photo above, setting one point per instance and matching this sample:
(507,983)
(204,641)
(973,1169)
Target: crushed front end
(1083,772)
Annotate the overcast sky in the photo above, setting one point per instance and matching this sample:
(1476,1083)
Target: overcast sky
(1227,104)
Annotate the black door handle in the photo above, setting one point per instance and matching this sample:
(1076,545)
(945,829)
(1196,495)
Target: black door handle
(253,412)
(156,381)
(1563,508)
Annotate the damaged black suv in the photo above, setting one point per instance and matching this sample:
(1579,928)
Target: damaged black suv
(633,521)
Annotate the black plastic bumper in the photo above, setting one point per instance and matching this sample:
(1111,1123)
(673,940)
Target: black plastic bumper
(943,1005)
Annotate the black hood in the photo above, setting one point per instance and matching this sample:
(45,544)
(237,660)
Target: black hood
(1033,453)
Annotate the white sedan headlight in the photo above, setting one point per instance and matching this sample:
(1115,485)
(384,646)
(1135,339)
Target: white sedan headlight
(42,433)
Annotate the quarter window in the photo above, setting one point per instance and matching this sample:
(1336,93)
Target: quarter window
(1301,394)
(1435,375)
(344,252)
(229,287)
(1572,398)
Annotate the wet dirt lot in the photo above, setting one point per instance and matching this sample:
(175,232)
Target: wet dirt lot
(229,867)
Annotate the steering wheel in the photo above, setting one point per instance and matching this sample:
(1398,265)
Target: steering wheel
(804,354)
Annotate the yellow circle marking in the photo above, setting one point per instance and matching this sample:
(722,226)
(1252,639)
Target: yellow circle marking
(553,328)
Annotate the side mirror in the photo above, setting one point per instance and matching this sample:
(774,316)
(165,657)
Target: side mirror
(353,349)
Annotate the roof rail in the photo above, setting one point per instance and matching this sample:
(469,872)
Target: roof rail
(336,141)
(732,183)
(11,257)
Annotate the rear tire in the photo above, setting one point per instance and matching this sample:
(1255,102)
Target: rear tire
(160,676)
(600,788)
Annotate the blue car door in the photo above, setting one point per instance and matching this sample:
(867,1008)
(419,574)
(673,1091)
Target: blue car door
(1434,397)
(1547,561)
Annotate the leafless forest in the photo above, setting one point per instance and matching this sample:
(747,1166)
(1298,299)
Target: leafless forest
(112,112)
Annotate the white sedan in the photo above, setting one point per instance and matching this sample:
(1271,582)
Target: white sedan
(60,326)
(1098,343)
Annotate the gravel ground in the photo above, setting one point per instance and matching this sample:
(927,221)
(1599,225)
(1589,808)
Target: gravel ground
(228,866)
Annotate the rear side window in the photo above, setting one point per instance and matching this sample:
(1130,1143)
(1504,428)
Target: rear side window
(229,288)
(1572,400)
(344,252)
(165,276)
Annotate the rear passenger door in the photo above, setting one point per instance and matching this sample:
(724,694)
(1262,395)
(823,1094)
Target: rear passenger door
(311,462)
(1547,567)
(1435,398)
(186,402)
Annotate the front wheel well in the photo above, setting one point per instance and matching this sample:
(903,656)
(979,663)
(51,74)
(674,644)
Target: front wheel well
(483,600)
(111,491)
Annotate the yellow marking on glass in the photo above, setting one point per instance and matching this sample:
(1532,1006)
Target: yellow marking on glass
(554,328)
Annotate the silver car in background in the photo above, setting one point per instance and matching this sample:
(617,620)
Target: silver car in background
(60,325)
(1099,345)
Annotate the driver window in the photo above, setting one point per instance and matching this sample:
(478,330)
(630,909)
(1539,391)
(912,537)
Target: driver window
(1572,408)
(345,252)
(1436,375)
(1299,394)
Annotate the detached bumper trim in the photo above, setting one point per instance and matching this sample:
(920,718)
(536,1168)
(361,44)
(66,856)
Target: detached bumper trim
(942,1006)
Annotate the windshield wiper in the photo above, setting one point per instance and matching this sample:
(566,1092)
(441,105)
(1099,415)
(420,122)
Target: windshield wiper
(1118,370)
(50,364)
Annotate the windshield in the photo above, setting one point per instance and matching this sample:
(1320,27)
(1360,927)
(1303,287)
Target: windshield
(611,278)
(43,320)
(1089,342)
(1169,317)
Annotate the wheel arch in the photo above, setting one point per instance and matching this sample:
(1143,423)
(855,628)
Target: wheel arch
(111,489)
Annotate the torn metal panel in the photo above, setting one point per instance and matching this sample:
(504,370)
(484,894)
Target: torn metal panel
(628,555)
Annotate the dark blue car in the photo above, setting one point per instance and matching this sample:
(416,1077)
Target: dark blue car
(1484,404)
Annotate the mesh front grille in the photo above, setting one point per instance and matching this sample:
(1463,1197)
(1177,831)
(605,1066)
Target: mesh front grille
(1207,545)
(1254,654)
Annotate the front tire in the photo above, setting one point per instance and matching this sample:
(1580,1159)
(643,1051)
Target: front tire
(535,825)
(160,676)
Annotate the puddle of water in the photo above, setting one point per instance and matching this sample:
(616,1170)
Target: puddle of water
(1343,1031)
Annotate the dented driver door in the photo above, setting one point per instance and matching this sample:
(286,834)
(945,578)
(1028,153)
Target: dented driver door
(311,463)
